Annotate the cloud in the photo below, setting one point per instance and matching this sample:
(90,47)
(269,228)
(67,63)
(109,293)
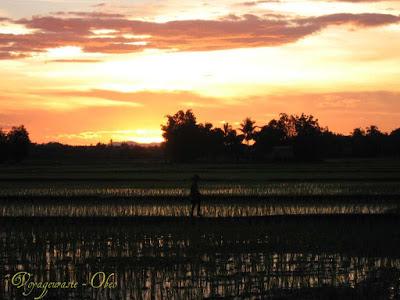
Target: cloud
(363,102)
(53,100)
(254,3)
(100,4)
(75,60)
(88,14)
(361,1)
(11,55)
(139,98)
(360,20)
(339,102)
(184,35)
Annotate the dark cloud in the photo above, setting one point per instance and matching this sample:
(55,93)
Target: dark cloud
(361,20)
(187,35)
(88,14)
(100,4)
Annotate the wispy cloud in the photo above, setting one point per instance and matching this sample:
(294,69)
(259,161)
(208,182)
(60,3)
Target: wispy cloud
(61,100)
(75,60)
(254,3)
(138,99)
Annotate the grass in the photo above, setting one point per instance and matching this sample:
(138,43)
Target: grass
(159,173)
(213,190)
(132,188)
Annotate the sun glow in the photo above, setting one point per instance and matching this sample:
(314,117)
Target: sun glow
(146,139)
(143,136)
(7,28)
(64,52)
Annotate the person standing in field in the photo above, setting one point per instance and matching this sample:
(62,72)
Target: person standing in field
(195,195)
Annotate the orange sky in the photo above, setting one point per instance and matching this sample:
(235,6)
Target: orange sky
(83,71)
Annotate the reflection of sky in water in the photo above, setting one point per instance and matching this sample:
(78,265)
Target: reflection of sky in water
(195,260)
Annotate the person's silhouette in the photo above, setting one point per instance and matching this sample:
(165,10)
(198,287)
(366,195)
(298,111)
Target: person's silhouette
(195,195)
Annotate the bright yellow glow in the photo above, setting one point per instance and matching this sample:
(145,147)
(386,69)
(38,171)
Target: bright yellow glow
(8,28)
(103,31)
(139,43)
(145,136)
(146,139)
(64,52)
(135,36)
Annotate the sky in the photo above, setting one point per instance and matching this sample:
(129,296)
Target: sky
(85,71)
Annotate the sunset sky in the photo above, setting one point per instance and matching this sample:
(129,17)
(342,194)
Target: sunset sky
(83,71)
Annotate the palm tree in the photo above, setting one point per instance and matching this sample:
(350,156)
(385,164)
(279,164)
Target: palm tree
(248,127)
(226,128)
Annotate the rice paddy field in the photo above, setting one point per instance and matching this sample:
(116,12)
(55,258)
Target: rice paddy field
(327,230)
(301,257)
(145,188)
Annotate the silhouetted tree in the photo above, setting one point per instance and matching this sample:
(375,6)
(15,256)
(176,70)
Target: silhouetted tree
(369,143)
(3,146)
(374,131)
(247,127)
(275,133)
(307,141)
(335,145)
(358,142)
(375,141)
(99,151)
(395,141)
(226,128)
(18,143)
(299,135)
(181,134)
(233,142)
(211,141)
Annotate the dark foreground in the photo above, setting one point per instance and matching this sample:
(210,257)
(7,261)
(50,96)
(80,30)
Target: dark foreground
(296,257)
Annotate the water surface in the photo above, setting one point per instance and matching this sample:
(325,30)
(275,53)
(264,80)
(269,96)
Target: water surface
(178,258)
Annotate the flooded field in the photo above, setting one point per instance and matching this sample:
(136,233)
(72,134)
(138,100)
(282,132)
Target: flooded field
(228,200)
(180,206)
(298,231)
(132,188)
(353,257)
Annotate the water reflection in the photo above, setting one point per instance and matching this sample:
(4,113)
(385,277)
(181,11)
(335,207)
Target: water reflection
(195,259)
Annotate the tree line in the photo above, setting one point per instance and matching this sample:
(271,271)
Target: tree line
(100,151)
(289,137)
(15,144)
